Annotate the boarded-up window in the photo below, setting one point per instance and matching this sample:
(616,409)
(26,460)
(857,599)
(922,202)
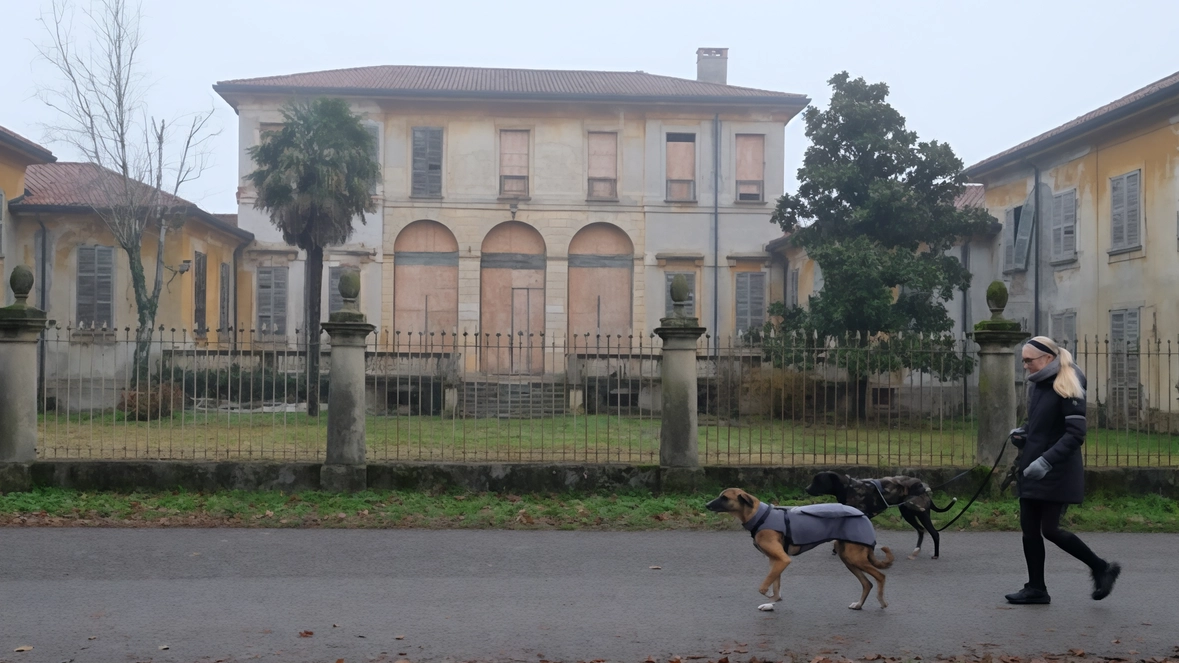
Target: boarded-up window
(1064,329)
(335,299)
(200,292)
(96,286)
(751,161)
(681,167)
(225,296)
(272,300)
(603,165)
(1124,377)
(513,163)
(1064,225)
(751,301)
(1125,211)
(427,161)
(690,304)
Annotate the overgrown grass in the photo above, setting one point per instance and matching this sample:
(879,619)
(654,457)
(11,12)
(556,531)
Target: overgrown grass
(623,511)
(602,438)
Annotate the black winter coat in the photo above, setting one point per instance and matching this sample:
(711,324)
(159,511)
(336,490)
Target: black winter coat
(1056,431)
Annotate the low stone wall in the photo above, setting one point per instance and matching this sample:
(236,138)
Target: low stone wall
(126,476)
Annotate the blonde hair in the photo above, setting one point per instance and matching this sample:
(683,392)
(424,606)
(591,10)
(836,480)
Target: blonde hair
(1067,384)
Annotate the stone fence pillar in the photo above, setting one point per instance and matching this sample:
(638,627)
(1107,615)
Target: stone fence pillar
(997,339)
(345,468)
(20,327)
(678,445)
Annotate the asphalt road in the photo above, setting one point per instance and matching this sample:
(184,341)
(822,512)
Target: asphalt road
(110,595)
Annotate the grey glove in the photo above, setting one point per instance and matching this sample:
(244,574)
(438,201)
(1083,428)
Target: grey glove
(1037,469)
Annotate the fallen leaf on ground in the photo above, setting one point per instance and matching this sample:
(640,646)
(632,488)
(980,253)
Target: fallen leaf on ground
(1077,652)
(339,660)
(93,637)
(399,637)
(163,647)
(1116,642)
(872,657)
(335,626)
(23,648)
(306,634)
(655,568)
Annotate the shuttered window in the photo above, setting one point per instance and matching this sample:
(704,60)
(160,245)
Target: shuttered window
(513,163)
(96,286)
(1125,391)
(1125,211)
(792,288)
(200,292)
(427,161)
(751,301)
(681,167)
(335,299)
(224,282)
(690,304)
(1064,225)
(751,162)
(1064,329)
(603,165)
(1011,227)
(272,300)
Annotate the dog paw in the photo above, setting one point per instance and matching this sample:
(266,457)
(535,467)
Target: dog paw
(883,605)
(766,607)
(915,553)
(766,592)
(856,606)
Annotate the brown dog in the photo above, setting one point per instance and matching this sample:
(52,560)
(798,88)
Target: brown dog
(859,558)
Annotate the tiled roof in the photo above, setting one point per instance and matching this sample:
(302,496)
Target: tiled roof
(231,219)
(28,147)
(1159,90)
(399,80)
(973,195)
(79,187)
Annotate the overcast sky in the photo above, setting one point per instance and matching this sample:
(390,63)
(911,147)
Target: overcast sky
(982,75)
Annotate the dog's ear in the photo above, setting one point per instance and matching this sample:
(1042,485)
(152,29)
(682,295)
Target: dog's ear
(745,499)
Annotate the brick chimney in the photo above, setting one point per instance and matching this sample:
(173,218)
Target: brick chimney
(712,65)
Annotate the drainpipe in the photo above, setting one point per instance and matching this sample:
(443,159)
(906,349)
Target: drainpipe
(42,296)
(1036,239)
(716,233)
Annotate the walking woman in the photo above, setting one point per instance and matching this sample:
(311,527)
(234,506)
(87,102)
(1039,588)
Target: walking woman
(1051,472)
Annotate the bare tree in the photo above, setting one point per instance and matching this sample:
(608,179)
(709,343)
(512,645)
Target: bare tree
(142,160)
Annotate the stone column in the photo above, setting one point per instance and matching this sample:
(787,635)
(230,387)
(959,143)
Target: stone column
(345,470)
(678,445)
(20,327)
(997,339)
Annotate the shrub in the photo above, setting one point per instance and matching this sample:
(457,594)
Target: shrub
(151,404)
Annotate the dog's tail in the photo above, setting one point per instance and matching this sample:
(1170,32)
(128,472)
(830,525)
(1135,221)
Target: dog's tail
(942,509)
(881,564)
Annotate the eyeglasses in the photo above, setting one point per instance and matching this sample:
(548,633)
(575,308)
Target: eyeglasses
(1027,361)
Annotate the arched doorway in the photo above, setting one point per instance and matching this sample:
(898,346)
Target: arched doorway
(425,281)
(601,277)
(511,299)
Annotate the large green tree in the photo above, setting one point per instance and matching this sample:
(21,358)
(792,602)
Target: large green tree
(314,176)
(875,209)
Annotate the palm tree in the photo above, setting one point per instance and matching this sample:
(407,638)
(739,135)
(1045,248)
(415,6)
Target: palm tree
(313,177)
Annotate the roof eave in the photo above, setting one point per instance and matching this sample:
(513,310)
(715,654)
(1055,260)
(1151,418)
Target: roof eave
(992,164)
(35,153)
(34,208)
(793,102)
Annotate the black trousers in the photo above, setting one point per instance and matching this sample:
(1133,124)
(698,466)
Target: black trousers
(1040,520)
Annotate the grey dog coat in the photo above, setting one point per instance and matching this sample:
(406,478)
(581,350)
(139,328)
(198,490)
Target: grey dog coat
(815,524)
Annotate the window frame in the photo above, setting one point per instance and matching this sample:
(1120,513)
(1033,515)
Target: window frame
(93,281)
(200,294)
(526,178)
(428,186)
(761,188)
(1126,245)
(1062,254)
(692,196)
(591,179)
(762,314)
(276,330)
(669,305)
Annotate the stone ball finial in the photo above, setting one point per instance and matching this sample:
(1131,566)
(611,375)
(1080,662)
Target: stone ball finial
(679,289)
(350,284)
(997,299)
(21,282)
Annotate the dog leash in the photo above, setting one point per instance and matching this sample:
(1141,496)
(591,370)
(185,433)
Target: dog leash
(981,486)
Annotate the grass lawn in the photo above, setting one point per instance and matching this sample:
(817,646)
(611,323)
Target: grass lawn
(625,511)
(601,438)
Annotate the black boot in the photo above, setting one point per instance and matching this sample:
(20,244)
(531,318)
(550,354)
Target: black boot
(1029,596)
(1103,581)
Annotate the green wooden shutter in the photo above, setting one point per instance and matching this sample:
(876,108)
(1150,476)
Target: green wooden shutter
(224,299)
(434,162)
(1023,236)
(200,291)
(279,302)
(1117,213)
(104,290)
(420,179)
(265,299)
(1009,240)
(1133,208)
(1068,225)
(742,322)
(85,286)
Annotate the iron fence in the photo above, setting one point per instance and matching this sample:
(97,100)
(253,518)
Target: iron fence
(584,398)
